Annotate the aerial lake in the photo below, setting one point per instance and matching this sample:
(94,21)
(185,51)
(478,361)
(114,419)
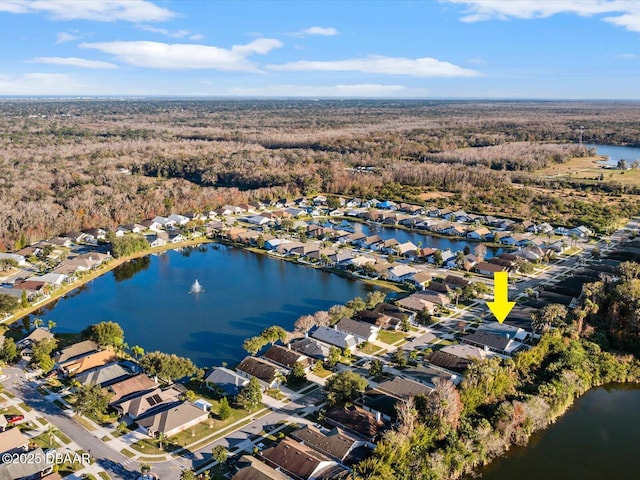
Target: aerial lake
(596,439)
(616,152)
(243,293)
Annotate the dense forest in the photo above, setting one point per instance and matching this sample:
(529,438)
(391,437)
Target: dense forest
(66,165)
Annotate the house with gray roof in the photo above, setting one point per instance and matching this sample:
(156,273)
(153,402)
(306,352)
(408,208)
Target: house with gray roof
(336,338)
(311,348)
(103,376)
(362,331)
(227,381)
(173,420)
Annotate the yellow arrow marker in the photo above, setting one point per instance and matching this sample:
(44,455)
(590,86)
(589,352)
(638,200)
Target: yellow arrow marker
(501,306)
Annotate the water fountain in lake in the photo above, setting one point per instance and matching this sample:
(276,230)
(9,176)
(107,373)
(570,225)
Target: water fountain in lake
(196,287)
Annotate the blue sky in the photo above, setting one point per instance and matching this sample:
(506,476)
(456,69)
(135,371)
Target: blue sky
(407,49)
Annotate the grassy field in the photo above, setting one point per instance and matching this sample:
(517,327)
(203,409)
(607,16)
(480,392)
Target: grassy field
(588,169)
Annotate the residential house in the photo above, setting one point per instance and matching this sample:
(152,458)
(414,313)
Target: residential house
(421,279)
(407,249)
(387,205)
(427,375)
(479,234)
(146,402)
(360,261)
(74,351)
(311,348)
(395,314)
(152,224)
(267,373)
(336,338)
(402,388)
(335,443)
(455,281)
(38,465)
(469,352)
(228,382)
(301,462)
(136,385)
(173,420)
(362,332)
(374,242)
(258,220)
(400,273)
(164,222)
(19,259)
(87,362)
(496,343)
(504,330)
(12,440)
(581,232)
(448,361)
(103,376)
(285,357)
(356,421)
(485,268)
(250,468)
(53,279)
(417,304)
(558,247)
(25,344)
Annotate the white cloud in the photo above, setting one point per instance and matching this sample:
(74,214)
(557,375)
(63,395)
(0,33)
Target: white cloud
(98,10)
(625,13)
(187,56)
(174,34)
(418,67)
(315,30)
(627,56)
(63,37)
(41,84)
(324,31)
(75,62)
(341,91)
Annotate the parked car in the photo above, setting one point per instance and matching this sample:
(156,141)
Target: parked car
(14,418)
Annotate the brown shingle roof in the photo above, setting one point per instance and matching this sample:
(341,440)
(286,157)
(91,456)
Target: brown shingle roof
(250,468)
(294,458)
(355,419)
(335,443)
(88,362)
(258,368)
(285,357)
(139,383)
(76,350)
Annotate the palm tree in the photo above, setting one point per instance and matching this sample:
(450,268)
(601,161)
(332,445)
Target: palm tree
(37,322)
(161,439)
(137,351)
(51,325)
(51,432)
(280,378)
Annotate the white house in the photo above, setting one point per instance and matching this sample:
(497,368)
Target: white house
(400,273)
(15,257)
(178,219)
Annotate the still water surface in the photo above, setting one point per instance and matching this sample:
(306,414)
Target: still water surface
(243,293)
(616,152)
(597,439)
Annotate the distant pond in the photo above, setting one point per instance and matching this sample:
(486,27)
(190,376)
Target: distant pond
(596,439)
(243,293)
(616,152)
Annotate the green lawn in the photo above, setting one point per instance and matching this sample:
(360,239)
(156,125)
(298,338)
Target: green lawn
(371,349)
(42,441)
(322,372)
(390,338)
